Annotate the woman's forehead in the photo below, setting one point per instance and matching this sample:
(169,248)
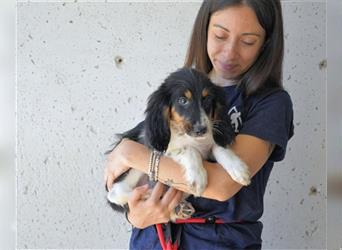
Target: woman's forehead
(239,18)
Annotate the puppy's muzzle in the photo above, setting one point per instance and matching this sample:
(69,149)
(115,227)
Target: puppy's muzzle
(199,130)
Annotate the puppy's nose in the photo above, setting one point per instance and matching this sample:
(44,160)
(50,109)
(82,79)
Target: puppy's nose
(200,130)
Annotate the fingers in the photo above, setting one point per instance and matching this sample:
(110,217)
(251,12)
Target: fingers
(176,199)
(108,176)
(109,181)
(137,195)
(168,196)
(113,169)
(172,198)
(157,192)
(156,208)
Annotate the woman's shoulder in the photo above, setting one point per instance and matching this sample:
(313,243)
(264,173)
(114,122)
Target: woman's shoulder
(273,96)
(269,116)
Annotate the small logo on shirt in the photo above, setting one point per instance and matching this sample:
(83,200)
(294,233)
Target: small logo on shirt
(235,118)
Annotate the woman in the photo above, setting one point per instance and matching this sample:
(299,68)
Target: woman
(239,44)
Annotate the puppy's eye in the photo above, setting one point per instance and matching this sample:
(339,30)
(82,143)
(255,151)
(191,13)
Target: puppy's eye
(183,101)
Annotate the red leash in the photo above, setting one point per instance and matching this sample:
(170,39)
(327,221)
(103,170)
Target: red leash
(167,243)
(161,236)
(209,220)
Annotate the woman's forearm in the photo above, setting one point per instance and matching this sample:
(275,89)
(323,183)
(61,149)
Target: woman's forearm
(252,150)
(170,172)
(220,186)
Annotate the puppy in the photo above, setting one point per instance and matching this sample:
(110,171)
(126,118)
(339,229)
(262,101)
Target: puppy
(187,118)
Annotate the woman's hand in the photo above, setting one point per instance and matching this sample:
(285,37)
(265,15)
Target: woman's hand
(117,163)
(155,209)
(147,207)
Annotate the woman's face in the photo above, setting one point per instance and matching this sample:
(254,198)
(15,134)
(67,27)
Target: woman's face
(235,39)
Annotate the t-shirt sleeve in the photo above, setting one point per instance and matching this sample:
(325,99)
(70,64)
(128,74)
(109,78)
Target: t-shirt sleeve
(271,118)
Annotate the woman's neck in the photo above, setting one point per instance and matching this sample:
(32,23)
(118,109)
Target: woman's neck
(220,81)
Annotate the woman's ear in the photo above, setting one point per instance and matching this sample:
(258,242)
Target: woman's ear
(157,119)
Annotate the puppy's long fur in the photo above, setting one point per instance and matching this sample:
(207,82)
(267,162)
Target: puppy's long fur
(187,118)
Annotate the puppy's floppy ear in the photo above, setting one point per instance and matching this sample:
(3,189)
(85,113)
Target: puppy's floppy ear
(223,132)
(157,118)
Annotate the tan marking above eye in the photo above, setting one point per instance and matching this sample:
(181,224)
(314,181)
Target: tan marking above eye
(188,94)
(205,93)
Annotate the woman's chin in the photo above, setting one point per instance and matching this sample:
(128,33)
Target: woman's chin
(229,76)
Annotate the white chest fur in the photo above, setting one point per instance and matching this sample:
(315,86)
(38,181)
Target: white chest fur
(203,144)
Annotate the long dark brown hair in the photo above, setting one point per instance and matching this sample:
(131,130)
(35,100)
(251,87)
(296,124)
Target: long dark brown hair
(266,72)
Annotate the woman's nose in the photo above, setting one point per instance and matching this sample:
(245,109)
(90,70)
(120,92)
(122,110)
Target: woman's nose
(230,50)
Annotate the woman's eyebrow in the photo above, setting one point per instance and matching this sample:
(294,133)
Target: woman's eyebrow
(219,26)
(251,33)
(244,34)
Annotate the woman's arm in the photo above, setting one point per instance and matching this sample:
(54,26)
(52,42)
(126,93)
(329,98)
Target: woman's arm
(252,150)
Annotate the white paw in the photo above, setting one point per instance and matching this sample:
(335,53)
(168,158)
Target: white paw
(240,173)
(194,172)
(235,167)
(197,178)
(119,194)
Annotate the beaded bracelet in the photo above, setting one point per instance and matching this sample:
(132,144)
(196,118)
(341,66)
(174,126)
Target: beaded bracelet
(150,166)
(156,165)
(153,168)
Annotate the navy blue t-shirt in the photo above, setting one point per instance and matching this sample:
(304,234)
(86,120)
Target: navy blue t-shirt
(268,116)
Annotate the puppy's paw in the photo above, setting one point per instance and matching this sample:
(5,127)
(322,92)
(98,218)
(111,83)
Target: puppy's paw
(183,211)
(197,179)
(119,194)
(235,167)
(240,173)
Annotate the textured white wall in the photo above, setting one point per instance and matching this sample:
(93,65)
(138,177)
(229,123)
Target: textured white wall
(7,125)
(72,98)
(334,124)
(295,215)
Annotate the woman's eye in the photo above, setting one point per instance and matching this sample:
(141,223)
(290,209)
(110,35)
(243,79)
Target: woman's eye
(248,43)
(219,37)
(183,101)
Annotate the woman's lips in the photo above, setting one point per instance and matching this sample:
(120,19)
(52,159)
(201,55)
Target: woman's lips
(227,66)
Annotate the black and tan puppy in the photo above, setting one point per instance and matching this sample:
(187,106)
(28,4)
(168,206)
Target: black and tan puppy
(187,118)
